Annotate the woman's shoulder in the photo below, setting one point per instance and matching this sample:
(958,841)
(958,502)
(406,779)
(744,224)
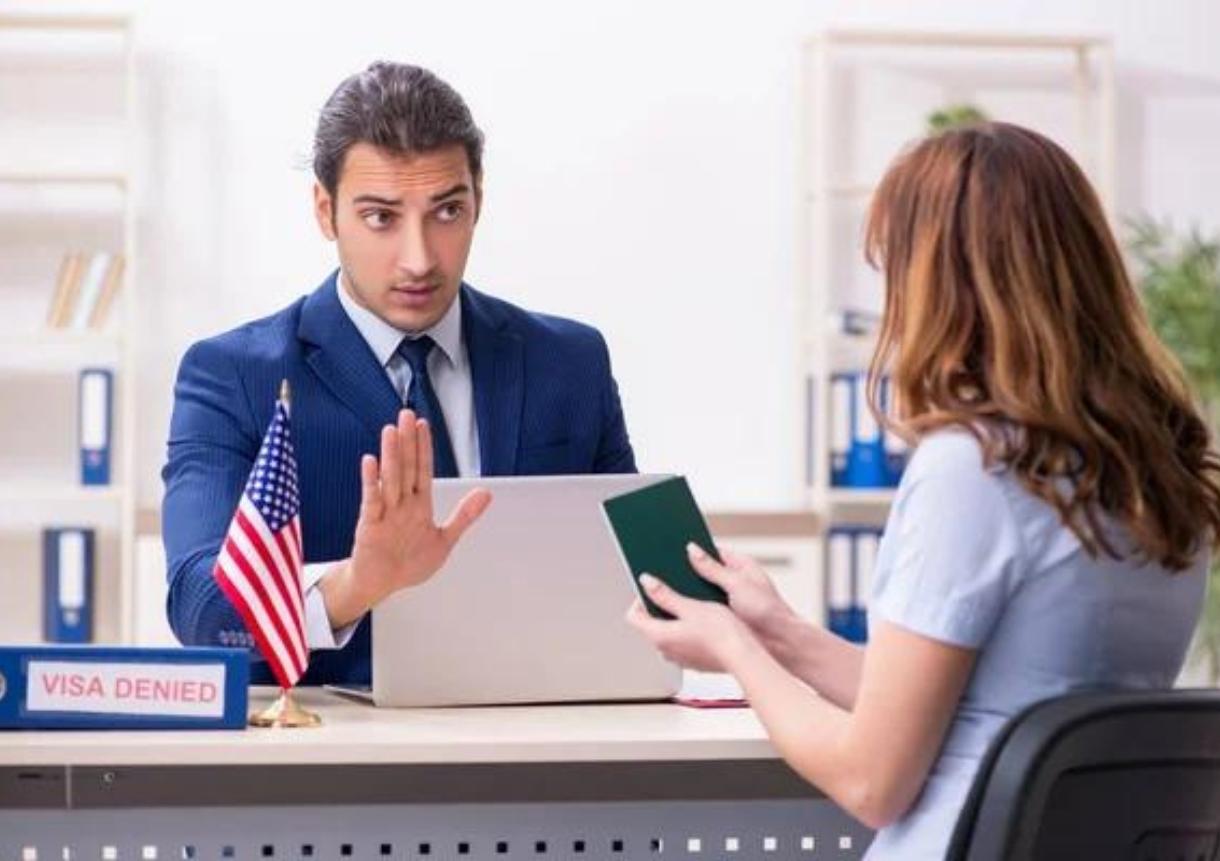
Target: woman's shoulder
(951,452)
(948,476)
(954,461)
(950,467)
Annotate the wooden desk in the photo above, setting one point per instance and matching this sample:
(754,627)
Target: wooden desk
(585,782)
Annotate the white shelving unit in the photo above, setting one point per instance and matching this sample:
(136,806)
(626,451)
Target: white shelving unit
(68,118)
(1062,85)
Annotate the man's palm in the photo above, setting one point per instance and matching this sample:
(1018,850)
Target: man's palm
(397,542)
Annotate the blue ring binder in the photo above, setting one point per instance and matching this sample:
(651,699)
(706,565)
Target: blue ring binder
(845,598)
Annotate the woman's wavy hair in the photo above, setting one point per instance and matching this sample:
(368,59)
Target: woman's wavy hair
(1009,313)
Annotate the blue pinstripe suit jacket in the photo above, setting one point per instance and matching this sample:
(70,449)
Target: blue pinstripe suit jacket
(545,403)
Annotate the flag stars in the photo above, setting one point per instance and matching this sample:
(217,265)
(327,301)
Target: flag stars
(273,485)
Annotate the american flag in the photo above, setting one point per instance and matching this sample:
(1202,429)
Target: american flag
(259,567)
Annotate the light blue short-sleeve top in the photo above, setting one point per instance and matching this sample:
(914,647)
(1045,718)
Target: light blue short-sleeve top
(971,558)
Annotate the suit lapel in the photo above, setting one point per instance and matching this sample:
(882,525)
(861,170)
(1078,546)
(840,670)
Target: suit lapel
(343,361)
(497,367)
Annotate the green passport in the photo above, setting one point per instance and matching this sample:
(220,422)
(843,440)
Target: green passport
(653,526)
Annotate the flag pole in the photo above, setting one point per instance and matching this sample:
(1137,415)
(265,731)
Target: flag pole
(285,712)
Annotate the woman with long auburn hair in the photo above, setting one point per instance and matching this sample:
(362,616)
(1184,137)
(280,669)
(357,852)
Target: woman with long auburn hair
(1053,528)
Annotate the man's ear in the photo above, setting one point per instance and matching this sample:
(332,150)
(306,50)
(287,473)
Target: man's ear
(478,197)
(324,210)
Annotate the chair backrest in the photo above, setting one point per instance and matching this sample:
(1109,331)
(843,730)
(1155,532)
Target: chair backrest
(1124,776)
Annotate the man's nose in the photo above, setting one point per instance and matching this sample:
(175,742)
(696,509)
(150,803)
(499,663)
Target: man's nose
(415,257)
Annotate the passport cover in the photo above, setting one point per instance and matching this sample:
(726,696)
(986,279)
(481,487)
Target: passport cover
(652,526)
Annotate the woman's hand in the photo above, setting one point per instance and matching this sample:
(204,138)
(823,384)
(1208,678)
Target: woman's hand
(824,661)
(752,595)
(703,635)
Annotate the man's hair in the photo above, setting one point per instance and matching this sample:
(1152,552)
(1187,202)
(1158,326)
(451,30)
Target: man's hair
(396,107)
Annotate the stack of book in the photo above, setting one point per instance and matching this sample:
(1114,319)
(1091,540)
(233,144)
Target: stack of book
(85,290)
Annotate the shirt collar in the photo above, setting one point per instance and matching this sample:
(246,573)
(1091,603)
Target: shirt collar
(383,339)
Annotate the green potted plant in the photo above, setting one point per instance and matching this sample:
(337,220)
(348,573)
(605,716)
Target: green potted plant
(1179,277)
(953,116)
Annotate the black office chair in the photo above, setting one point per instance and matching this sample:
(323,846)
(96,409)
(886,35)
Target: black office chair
(1107,776)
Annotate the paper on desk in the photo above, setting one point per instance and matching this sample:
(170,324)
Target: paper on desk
(709,690)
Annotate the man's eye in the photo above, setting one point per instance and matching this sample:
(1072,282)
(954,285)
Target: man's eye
(449,212)
(378,218)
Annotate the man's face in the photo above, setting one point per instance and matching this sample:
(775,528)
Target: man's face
(403,225)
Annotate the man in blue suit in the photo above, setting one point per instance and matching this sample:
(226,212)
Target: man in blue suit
(496,390)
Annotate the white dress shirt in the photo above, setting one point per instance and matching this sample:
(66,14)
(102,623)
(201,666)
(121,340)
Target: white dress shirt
(449,371)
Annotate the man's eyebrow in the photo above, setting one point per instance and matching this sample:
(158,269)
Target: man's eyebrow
(460,188)
(373,198)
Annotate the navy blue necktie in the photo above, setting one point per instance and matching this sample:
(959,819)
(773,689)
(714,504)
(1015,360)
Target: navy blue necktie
(422,400)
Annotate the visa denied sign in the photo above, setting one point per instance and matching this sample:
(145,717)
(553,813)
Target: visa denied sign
(181,690)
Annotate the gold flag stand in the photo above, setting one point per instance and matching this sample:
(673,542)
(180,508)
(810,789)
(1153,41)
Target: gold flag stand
(285,713)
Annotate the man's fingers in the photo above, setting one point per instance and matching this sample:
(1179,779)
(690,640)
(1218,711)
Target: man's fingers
(707,567)
(391,472)
(407,445)
(467,512)
(370,490)
(424,468)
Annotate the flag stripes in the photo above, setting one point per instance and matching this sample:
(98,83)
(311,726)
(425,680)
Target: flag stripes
(260,563)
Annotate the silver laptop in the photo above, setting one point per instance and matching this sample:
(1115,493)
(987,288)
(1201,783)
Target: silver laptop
(528,608)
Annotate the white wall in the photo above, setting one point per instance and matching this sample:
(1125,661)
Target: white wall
(641,175)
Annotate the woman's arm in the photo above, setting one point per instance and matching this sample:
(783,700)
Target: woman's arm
(872,760)
(953,556)
(826,662)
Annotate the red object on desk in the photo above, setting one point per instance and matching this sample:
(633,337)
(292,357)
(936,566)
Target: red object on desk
(695,703)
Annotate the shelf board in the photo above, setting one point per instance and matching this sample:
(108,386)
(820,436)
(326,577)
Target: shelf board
(56,349)
(19,21)
(64,337)
(844,352)
(764,524)
(55,177)
(860,497)
(962,39)
(848,190)
(43,492)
